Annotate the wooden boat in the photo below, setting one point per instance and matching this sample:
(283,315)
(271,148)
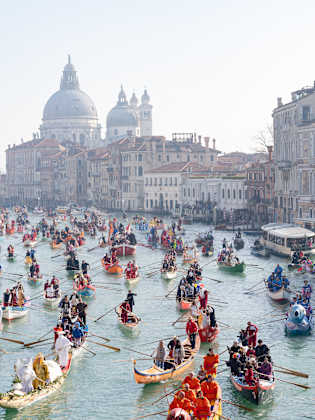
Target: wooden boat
(17,400)
(124,250)
(28,260)
(34,279)
(132,280)
(85,291)
(169,275)
(61,210)
(170,371)
(132,323)
(52,302)
(29,242)
(239,243)
(184,304)
(54,245)
(234,268)
(258,393)
(11,258)
(14,312)
(114,269)
(208,334)
(279,295)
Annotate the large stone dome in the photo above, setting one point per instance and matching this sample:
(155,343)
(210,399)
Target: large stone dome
(122,115)
(69,101)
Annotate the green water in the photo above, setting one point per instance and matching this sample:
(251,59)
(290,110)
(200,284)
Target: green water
(99,388)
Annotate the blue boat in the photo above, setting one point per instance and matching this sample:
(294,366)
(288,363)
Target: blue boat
(297,322)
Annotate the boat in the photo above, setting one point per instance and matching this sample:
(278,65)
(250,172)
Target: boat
(87,290)
(208,253)
(252,232)
(188,260)
(52,301)
(297,323)
(184,304)
(61,210)
(208,334)
(124,250)
(15,399)
(132,280)
(14,312)
(54,245)
(232,268)
(28,260)
(239,243)
(34,279)
(170,371)
(11,258)
(132,323)
(114,269)
(280,295)
(169,275)
(282,239)
(258,393)
(260,251)
(178,414)
(29,242)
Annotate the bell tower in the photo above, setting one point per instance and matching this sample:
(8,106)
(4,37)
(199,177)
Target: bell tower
(145,115)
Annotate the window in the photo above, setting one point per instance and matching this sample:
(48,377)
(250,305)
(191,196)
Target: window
(306,113)
(240,194)
(146,182)
(147,203)
(151,204)
(167,158)
(171,179)
(184,192)
(222,193)
(171,204)
(228,193)
(155,181)
(159,157)
(188,192)
(234,194)
(311,213)
(140,171)
(139,158)
(211,158)
(165,181)
(150,181)
(175,183)
(193,192)
(160,183)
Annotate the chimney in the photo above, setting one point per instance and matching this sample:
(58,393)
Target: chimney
(213,143)
(207,139)
(199,139)
(195,138)
(270,148)
(163,148)
(279,102)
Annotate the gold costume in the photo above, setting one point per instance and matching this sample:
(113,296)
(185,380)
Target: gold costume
(41,370)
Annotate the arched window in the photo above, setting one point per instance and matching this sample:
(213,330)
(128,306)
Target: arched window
(234,195)
(228,193)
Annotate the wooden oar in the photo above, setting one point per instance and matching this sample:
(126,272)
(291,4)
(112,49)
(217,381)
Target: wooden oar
(294,372)
(171,291)
(149,415)
(237,405)
(135,351)
(105,345)
(129,360)
(210,278)
(90,351)
(50,331)
(92,249)
(226,325)
(287,382)
(35,342)
(100,317)
(275,320)
(56,256)
(166,395)
(223,351)
(103,338)
(12,341)
(253,287)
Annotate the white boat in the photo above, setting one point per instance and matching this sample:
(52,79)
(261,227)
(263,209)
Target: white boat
(52,302)
(14,312)
(29,242)
(282,239)
(132,280)
(168,275)
(279,295)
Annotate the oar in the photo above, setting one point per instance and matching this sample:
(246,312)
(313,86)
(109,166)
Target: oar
(35,342)
(103,338)
(92,249)
(223,351)
(275,320)
(149,415)
(303,375)
(135,351)
(166,395)
(253,287)
(90,351)
(129,360)
(210,278)
(100,317)
(171,291)
(226,325)
(177,320)
(237,405)
(12,341)
(105,345)
(161,339)
(288,382)
(45,334)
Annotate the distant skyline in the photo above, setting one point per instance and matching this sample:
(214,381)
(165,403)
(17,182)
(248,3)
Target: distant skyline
(214,68)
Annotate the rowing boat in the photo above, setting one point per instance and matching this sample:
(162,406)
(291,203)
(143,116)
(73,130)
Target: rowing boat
(184,304)
(155,374)
(86,291)
(297,322)
(168,275)
(114,269)
(232,268)
(132,280)
(53,301)
(279,295)
(14,312)
(257,393)
(34,279)
(208,334)
(132,323)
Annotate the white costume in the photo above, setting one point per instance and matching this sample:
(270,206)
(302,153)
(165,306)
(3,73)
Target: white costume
(62,347)
(25,373)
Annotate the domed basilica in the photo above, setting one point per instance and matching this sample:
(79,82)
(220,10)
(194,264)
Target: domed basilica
(71,116)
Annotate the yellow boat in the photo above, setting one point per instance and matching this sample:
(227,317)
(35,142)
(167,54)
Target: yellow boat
(156,374)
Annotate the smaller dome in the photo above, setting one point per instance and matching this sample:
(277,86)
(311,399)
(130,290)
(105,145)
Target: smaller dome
(133,101)
(122,115)
(145,98)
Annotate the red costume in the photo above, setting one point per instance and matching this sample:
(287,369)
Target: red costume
(125,309)
(191,327)
(204,300)
(252,331)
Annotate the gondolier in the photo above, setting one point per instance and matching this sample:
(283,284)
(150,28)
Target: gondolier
(62,348)
(251,331)
(191,331)
(130,299)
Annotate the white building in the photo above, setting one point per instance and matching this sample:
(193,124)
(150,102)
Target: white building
(70,114)
(129,119)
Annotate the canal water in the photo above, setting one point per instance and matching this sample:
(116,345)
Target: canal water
(102,386)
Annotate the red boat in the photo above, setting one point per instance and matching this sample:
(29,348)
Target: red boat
(208,334)
(123,250)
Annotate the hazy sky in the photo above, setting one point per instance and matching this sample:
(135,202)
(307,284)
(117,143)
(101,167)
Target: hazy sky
(214,67)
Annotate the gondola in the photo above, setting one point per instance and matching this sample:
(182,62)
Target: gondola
(114,269)
(170,371)
(168,275)
(257,393)
(132,323)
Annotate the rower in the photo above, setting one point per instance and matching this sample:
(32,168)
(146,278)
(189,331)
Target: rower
(125,309)
(130,299)
(191,331)
(261,350)
(210,388)
(171,346)
(159,355)
(210,362)
(84,267)
(252,331)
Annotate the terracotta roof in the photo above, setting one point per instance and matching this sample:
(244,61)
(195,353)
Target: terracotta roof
(49,143)
(180,167)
